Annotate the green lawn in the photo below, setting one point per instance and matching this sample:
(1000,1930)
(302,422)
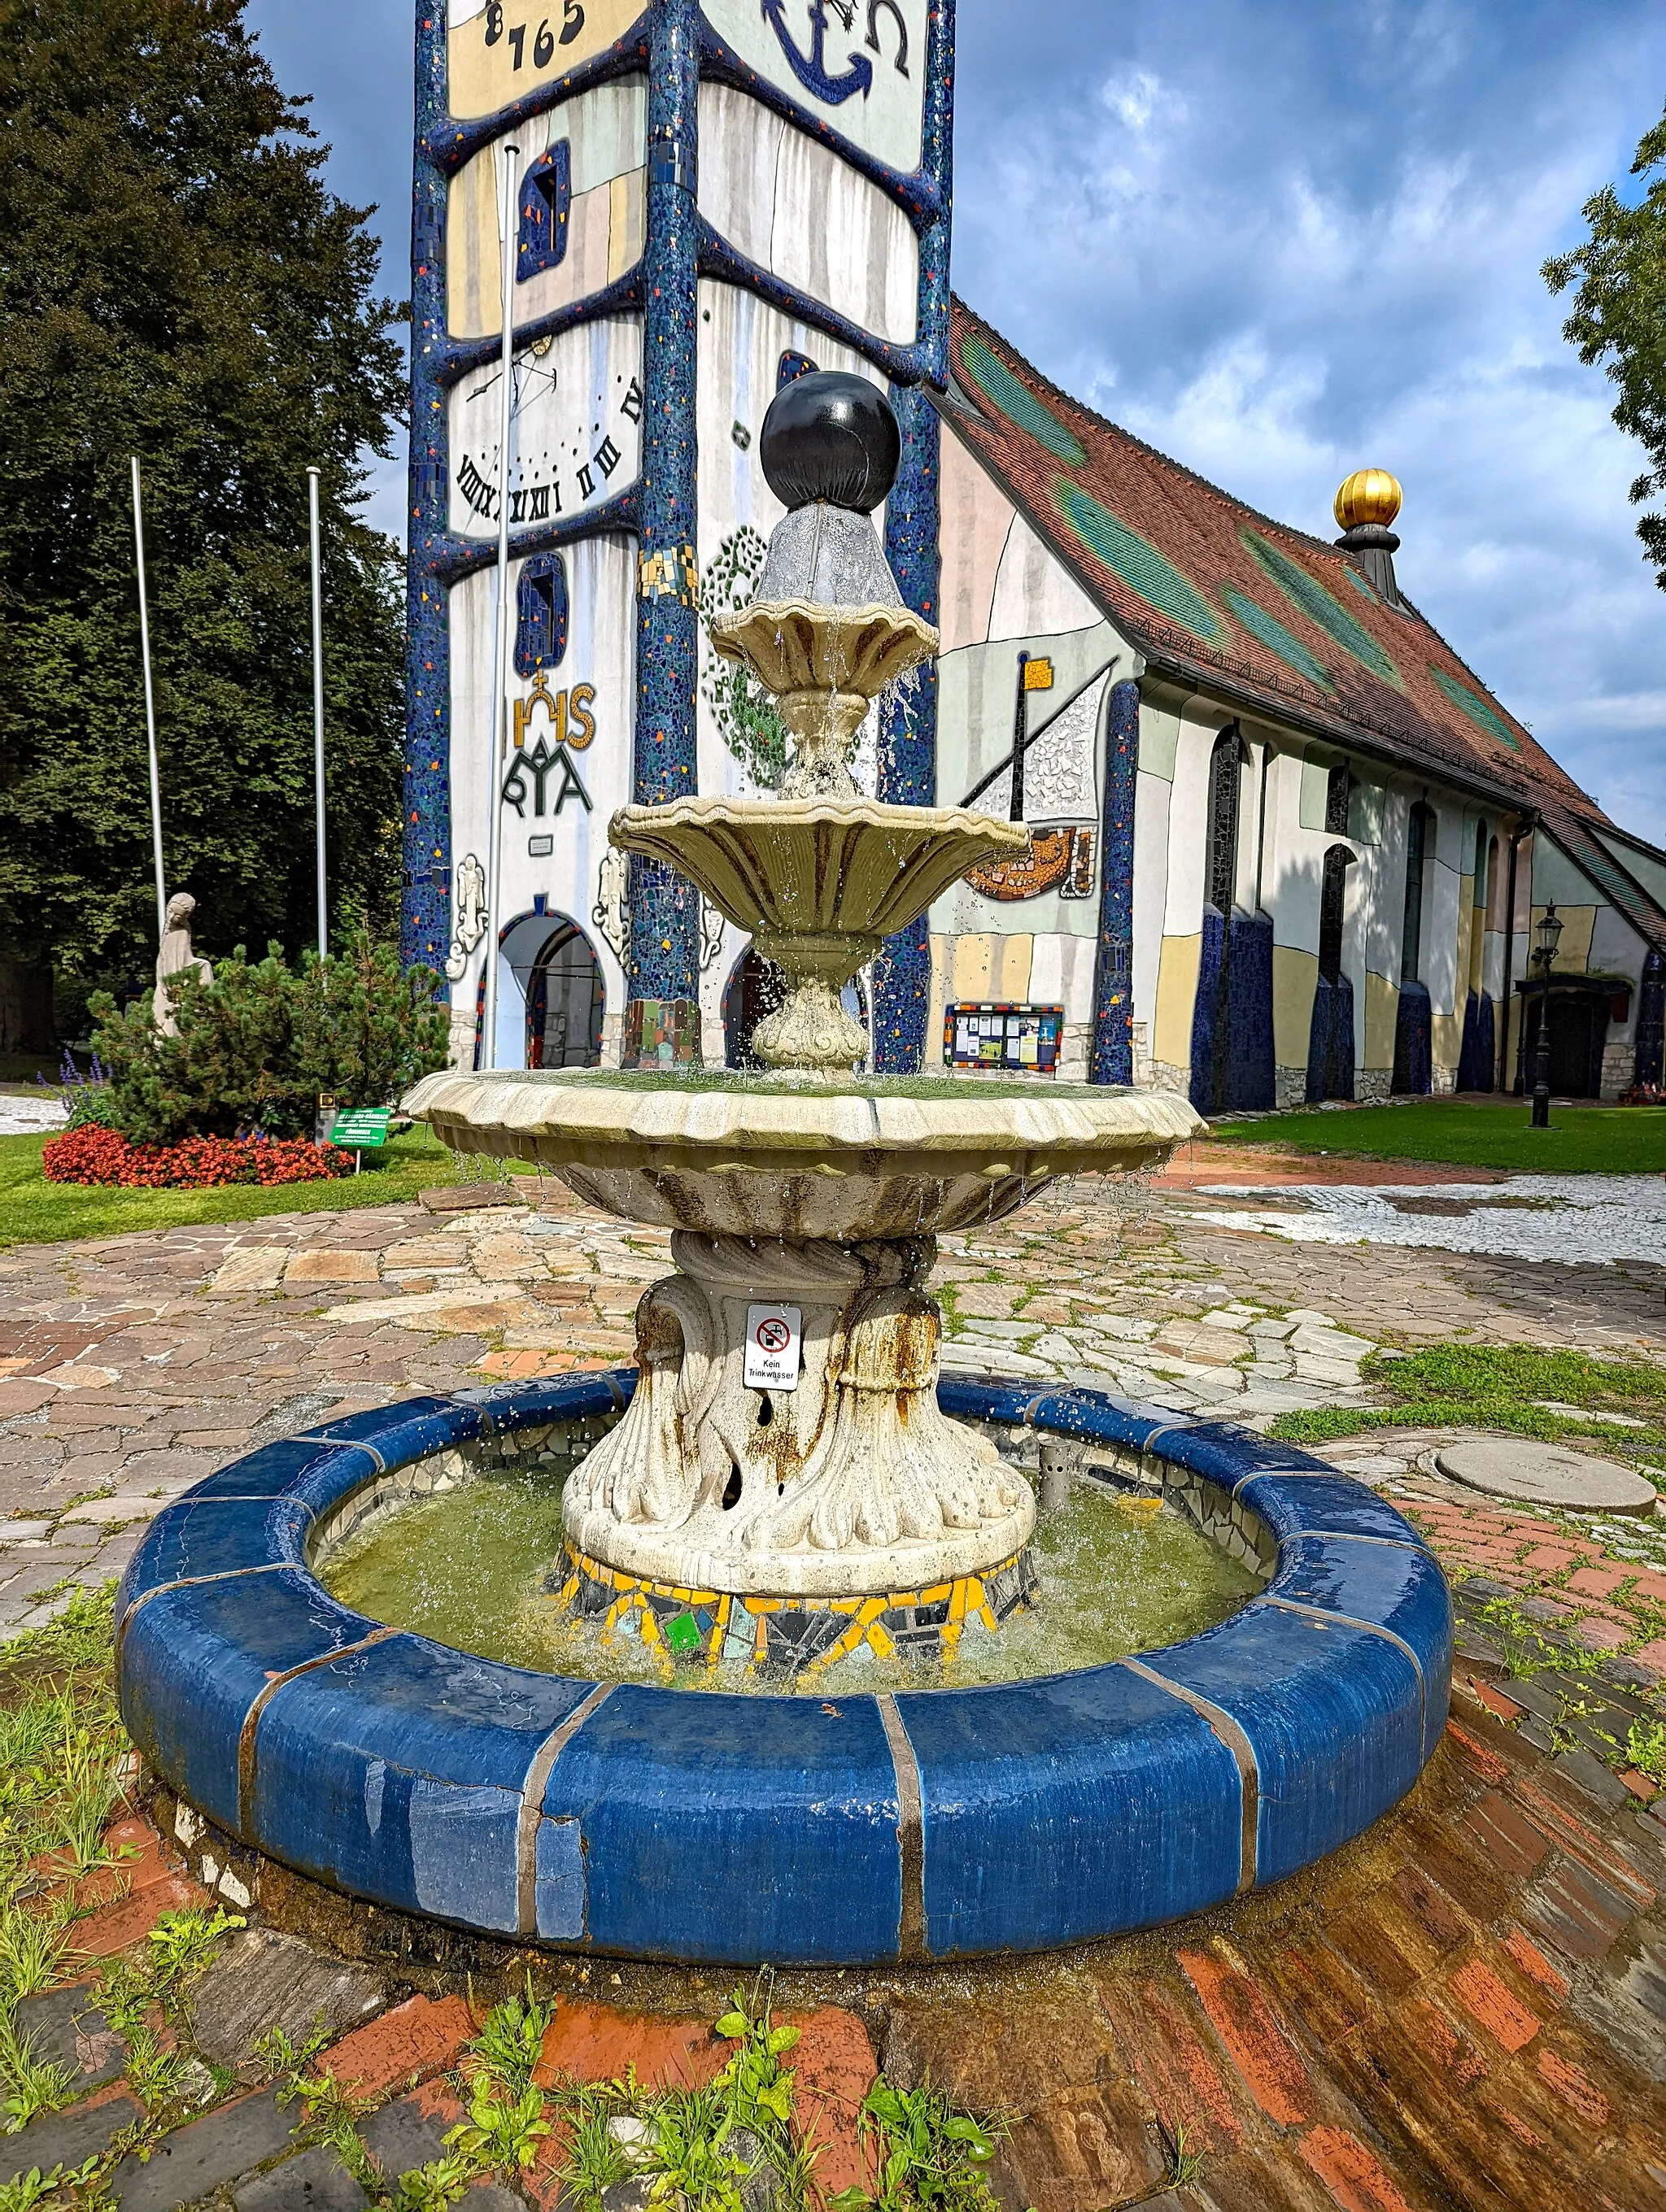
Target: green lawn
(1580,1140)
(36,1212)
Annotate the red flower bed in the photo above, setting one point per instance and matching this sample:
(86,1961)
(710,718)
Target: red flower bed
(95,1155)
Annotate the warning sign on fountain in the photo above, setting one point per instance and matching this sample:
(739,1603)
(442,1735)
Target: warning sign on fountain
(773,1335)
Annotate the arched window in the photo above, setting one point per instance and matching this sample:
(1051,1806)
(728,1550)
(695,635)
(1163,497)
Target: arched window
(1419,836)
(1332,898)
(1225,765)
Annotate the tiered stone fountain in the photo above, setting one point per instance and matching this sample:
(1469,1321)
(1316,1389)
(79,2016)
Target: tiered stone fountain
(781,1482)
(816,1499)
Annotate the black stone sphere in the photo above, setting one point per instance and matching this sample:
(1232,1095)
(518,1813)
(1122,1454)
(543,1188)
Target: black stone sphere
(830,436)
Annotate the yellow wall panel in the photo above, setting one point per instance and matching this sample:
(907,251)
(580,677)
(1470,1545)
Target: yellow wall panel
(1295,978)
(1177,993)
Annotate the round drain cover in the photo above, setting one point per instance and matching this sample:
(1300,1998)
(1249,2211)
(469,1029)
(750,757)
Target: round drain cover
(1546,1474)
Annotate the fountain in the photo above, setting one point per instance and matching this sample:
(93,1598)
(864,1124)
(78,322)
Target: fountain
(785,1456)
(785,1489)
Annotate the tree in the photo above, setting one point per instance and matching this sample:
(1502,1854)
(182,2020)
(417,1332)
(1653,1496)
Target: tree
(176,280)
(1619,318)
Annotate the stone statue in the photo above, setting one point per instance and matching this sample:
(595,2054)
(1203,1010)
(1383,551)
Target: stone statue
(175,956)
(470,915)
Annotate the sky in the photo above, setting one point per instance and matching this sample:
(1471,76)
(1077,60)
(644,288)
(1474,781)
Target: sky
(1279,244)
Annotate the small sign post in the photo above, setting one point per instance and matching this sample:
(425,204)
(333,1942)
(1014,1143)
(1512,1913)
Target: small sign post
(364,1129)
(774,1335)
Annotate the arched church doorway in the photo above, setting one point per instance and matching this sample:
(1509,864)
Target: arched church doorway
(550,996)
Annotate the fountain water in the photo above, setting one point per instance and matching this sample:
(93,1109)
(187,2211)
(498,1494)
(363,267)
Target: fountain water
(785,1453)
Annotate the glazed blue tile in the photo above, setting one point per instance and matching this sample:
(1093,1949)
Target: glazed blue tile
(191,1538)
(981,1398)
(558,1873)
(1334,1716)
(1228,1454)
(1096,1414)
(507,1406)
(1076,1807)
(410,1429)
(733,1829)
(396,1774)
(274,1469)
(193,1661)
(1403,1591)
(1325,1505)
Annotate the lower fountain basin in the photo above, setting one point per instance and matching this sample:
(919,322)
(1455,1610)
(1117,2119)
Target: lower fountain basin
(905,1824)
(865,1157)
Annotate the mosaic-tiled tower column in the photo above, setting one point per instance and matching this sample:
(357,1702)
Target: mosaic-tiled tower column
(662,1015)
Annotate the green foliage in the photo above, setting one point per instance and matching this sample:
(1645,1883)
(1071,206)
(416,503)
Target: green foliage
(932,2157)
(434,2187)
(61,2188)
(1580,1140)
(1471,1386)
(744,713)
(503,2129)
(257,1048)
(1184,2165)
(511,2038)
(1645,1749)
(1619,317)
(178,281)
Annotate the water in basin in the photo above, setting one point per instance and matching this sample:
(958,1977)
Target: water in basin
(469,1568)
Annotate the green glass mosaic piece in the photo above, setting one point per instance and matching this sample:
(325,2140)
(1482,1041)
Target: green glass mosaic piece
(683,1634)
(1138,562)
(1276,638)
(1468,702)
(1019,405)
(1308,594)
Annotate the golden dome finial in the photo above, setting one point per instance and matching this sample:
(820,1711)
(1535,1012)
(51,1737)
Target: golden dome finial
(1368,496)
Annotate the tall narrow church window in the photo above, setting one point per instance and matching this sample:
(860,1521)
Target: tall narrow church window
(1339,791)
(546,202)
(1419,830)
(1224,763)
(540,614)
(1332,896)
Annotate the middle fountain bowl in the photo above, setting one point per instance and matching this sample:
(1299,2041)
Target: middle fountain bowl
(785,1448)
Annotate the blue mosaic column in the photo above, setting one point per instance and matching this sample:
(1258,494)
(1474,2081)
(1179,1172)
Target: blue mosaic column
(1110,1060)
(908,735)
(425,904)
(662,1016)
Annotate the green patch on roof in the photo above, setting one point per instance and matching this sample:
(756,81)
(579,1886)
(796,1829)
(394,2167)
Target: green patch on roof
(1138,562)
(1276,637)
(1472,704)
(1358,582)
(1018,404)
(1307,592)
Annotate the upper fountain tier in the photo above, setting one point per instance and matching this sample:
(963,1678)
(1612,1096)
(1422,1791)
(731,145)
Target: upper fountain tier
(820,876)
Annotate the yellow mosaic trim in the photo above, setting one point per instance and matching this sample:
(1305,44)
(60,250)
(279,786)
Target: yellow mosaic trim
(968,1602)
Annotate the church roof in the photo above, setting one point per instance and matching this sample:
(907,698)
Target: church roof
(1207,588)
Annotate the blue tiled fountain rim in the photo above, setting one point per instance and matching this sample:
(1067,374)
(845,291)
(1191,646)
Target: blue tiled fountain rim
(658,1823)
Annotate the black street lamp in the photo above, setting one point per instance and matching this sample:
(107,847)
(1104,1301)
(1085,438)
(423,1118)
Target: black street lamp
(1549,930)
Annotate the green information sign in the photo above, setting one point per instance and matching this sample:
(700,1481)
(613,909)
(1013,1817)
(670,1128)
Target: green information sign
(360,1129)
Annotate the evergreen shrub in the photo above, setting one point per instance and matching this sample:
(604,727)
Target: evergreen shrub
(256,1048)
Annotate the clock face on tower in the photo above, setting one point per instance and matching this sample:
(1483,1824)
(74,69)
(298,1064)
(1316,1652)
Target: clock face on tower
(575,435)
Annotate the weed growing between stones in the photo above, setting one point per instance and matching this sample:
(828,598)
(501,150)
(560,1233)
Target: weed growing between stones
(1512,1388)
(932,2157)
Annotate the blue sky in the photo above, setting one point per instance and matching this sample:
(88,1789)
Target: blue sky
(1280,243)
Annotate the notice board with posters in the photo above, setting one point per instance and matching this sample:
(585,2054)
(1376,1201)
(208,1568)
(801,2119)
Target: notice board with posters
(1016,1039)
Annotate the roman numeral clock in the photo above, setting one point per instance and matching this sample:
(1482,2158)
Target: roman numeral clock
(707,200)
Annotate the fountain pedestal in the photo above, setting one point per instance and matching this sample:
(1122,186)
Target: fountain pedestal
(848,1482)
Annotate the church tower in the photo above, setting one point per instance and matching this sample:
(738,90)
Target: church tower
(708,202)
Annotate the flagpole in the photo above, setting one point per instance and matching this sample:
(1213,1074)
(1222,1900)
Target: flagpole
(318,708)
(149,710)
(498,747)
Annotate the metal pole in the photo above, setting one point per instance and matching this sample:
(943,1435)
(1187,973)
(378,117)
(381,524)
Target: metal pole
(497,748)
(318,708)
(150,711)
